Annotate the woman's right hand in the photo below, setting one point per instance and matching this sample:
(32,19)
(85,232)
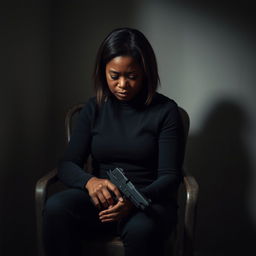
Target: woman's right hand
(99,191)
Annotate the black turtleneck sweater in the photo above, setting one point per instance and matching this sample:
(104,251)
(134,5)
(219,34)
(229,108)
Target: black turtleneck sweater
(146,141)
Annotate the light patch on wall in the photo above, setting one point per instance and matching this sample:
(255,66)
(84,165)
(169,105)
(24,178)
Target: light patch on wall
(204,60)
(199,58)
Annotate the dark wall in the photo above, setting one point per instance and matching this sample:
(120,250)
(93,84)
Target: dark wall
(48,55)
(26,101)
(77,31)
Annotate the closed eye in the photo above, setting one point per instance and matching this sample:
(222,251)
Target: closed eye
(114,77)
(132,77)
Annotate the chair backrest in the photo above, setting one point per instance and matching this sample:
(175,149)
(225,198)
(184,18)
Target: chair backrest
(68,119)
(185,122)
(185,126)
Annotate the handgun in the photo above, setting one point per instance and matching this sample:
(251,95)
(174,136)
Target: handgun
(126,187)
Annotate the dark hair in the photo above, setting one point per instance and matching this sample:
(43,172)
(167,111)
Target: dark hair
(126,42)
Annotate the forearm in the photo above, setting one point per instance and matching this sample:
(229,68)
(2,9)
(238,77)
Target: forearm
(164,187)
(73,175)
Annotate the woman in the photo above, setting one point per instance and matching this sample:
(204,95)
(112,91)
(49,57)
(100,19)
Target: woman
(129,125)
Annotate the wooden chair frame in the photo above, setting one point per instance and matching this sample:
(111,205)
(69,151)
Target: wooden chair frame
(184,243)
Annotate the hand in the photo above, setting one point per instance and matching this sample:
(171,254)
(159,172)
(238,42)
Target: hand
(114,213)
(99,191)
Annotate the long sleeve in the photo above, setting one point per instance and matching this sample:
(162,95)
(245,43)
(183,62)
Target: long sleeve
(71,167)
(146,141)
(170,157)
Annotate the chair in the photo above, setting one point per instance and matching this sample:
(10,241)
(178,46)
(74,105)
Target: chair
(182,239)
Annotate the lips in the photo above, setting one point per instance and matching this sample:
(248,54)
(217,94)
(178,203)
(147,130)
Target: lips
(122,93)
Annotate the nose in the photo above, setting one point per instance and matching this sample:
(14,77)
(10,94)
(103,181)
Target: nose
(122,83)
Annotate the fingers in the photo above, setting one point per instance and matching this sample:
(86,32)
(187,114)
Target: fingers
(110,217)
(112,209)
(108,197)
(104,195)
(96,202)
(99,191)
(114,189)
(111,214)
(101,197)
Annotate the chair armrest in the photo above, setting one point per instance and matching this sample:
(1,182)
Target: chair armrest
(40,197)
(42,187)
(192,189)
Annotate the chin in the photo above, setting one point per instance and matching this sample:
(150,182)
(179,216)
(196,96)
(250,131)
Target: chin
(124,98)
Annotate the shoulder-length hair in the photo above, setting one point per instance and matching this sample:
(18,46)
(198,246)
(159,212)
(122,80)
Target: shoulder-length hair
(126,42)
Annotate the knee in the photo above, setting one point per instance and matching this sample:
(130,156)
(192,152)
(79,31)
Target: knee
(55,206)
(145,230)
(69,204)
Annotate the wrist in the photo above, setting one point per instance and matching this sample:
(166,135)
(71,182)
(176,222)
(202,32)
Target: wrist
(89,182)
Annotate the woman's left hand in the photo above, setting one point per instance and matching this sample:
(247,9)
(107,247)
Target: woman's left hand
(121,209)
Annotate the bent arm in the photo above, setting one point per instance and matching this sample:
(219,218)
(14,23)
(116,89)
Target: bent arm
(170,158)
(71,166)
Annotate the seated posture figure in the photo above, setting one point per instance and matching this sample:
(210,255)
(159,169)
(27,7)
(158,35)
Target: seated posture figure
(127,124)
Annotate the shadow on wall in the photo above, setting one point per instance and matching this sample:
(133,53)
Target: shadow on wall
(219,160)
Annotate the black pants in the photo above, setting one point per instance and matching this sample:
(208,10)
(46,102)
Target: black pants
(69,217)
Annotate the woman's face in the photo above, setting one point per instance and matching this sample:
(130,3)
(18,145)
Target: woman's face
(124,77)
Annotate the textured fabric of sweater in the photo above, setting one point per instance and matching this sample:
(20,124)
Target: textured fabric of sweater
(146,141)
